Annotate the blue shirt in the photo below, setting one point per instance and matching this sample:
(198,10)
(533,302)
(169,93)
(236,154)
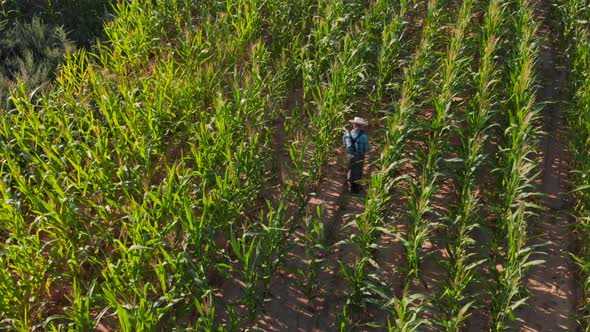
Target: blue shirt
(361,145)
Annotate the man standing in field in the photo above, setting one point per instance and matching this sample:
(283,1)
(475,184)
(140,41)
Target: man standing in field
(356,143)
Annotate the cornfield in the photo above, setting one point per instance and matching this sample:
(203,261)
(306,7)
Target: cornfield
(186,172)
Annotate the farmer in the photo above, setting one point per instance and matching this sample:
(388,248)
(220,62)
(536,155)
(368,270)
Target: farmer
(356,143)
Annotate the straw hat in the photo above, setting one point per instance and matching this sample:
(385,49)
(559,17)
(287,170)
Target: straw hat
(358,120)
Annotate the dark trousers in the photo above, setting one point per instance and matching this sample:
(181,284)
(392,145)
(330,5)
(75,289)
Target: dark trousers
(355,171)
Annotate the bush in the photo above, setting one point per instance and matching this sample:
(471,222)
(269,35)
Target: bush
(29,52)
(82,19)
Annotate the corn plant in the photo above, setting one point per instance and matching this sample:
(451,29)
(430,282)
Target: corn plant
(405,311)
(315,250)
(81,309)
(248,251)
(245,18)
(363,283)
(287,20)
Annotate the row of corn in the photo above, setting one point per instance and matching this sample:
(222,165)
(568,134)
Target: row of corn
(427,158)
(573,16)
(456,297)
(516,169)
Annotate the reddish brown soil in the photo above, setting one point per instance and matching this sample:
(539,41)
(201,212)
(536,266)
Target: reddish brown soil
(289,308)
